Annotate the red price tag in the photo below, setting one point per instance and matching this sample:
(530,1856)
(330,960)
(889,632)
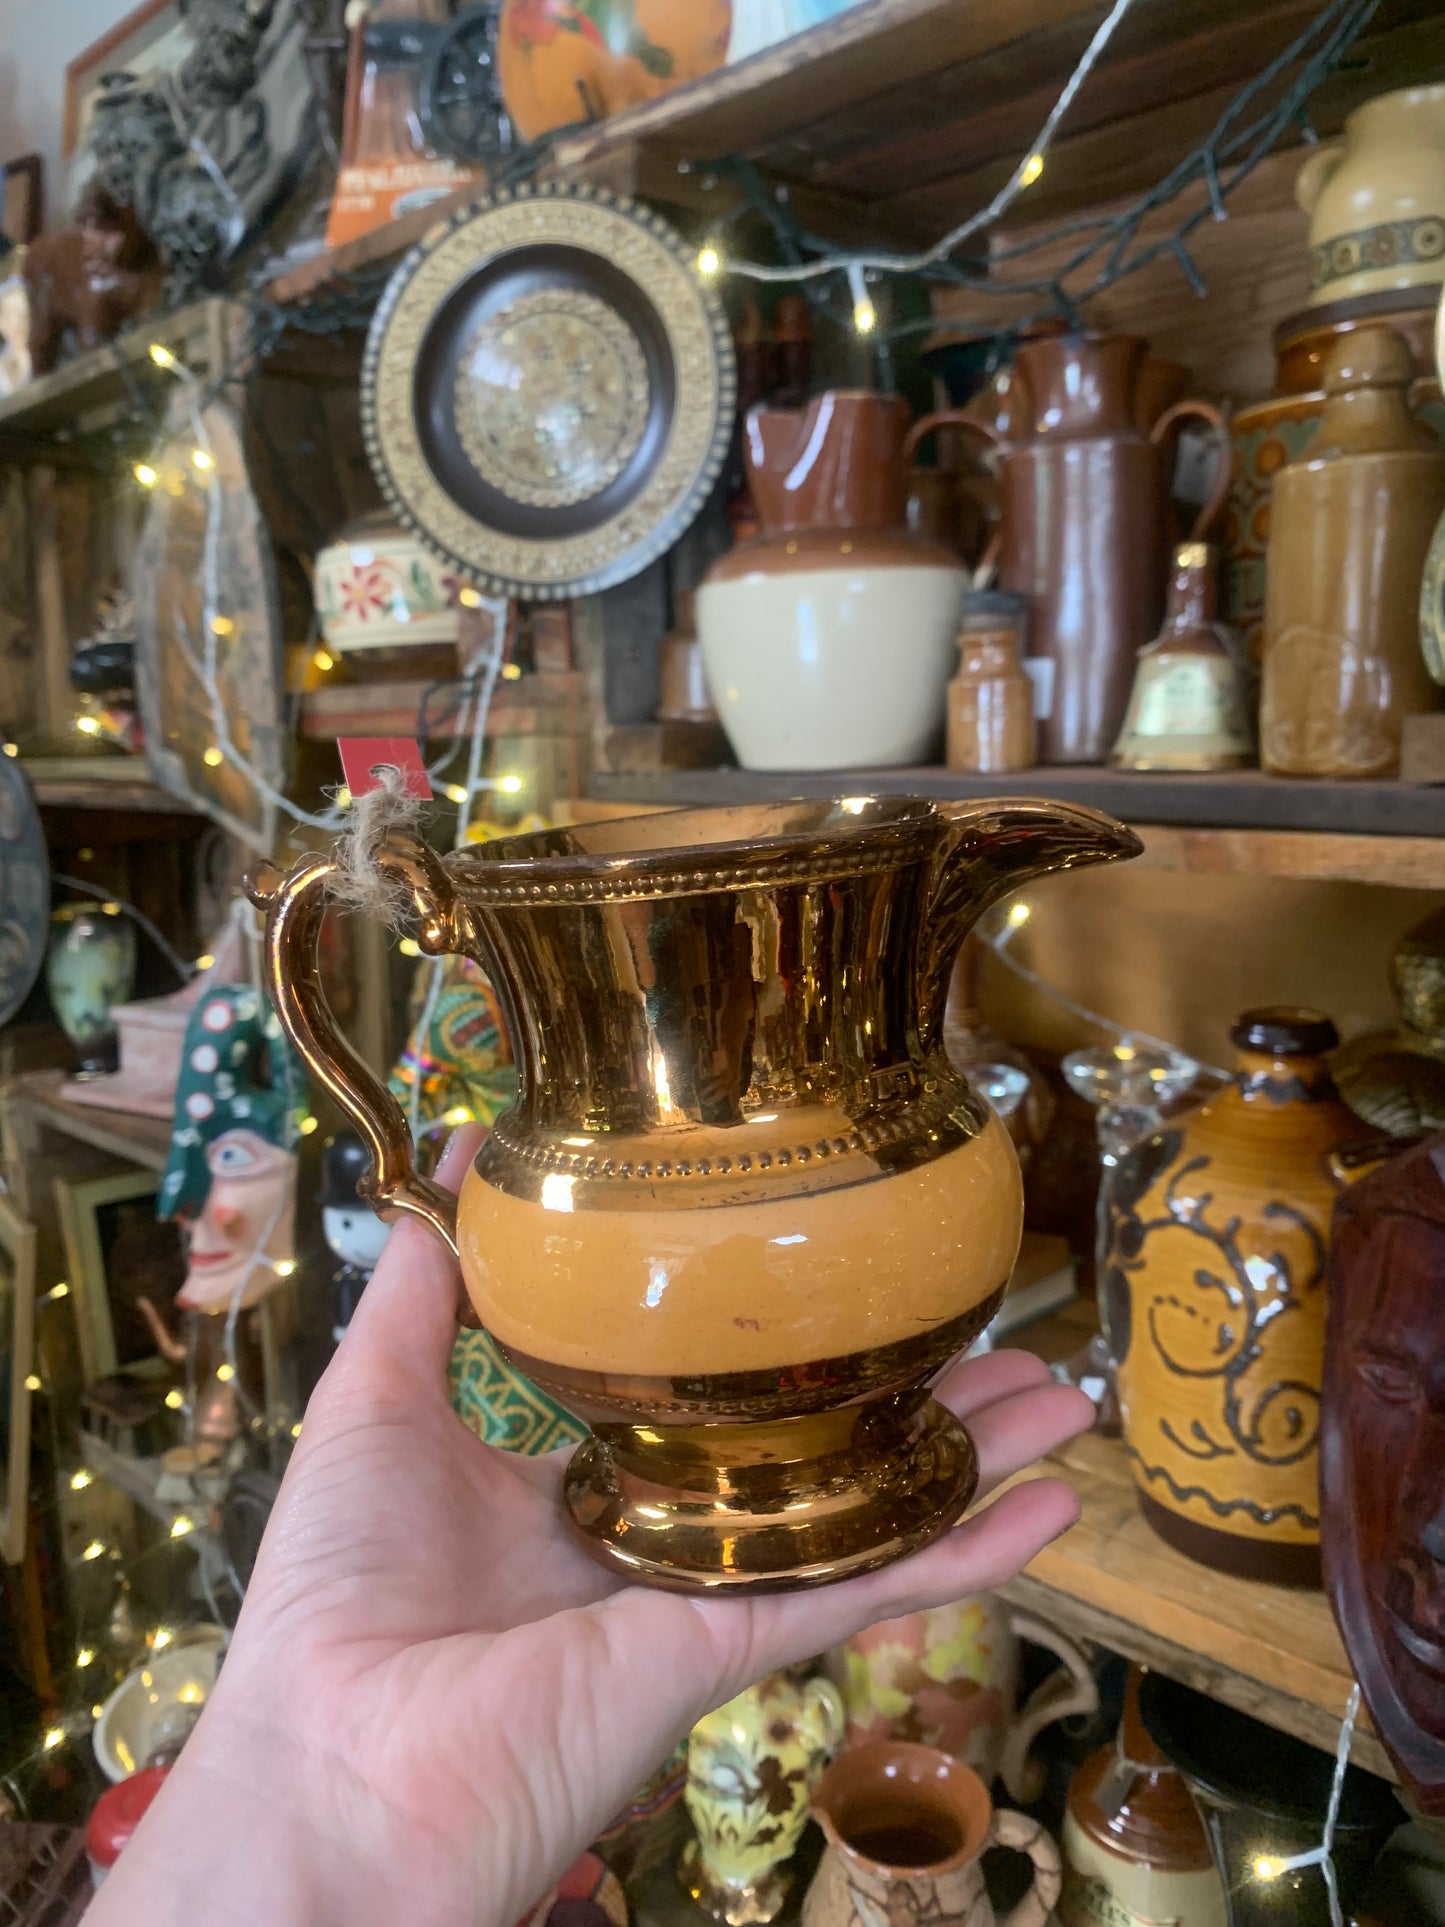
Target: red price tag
(363,756)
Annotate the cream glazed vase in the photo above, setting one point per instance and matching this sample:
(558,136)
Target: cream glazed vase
(829,639)
(1376,198)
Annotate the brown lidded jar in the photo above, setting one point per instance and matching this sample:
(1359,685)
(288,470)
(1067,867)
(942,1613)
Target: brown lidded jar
(991,727)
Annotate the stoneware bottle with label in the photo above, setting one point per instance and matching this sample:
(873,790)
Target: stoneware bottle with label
(1188,710)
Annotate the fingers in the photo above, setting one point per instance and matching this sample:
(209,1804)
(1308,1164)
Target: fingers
(970,1383)
(408,1310)
(1014,1432)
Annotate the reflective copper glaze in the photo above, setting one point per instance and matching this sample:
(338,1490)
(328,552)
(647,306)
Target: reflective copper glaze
(727,1026)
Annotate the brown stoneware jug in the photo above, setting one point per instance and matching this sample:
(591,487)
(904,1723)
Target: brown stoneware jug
(1082,535)
(742,1209)
(1214,1302)
(1350,527)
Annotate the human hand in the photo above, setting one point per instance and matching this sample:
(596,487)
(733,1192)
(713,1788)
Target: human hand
(435,1699)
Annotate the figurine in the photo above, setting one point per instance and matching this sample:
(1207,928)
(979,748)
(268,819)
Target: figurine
(1381,1449)
(352,1230)
(88,281)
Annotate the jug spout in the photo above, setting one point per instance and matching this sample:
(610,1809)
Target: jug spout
(988,849)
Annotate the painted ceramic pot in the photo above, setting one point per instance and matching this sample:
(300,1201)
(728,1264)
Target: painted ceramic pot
(763,23)
(906,1829)
(563,61)
(1262,439)
(1135,1851)
(89,969)
(386,603)
(751,1766)
(948,1678)
(1214,1301)
(792,622)
(1376,199)
(1351,523)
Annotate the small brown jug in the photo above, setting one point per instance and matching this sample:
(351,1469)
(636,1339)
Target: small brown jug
(991,727)
(906,1828)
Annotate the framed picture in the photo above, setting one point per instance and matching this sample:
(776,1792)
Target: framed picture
(22,212)
(17,1327)
(247,99)
(117,1253)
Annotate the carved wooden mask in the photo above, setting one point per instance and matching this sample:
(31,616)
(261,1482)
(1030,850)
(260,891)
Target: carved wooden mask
(1382,1455)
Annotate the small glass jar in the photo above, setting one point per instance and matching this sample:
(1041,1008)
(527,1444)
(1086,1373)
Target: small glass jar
(991,727)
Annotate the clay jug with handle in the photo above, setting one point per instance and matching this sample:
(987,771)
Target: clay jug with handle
(1081,536)
(906,1829)
(829,638)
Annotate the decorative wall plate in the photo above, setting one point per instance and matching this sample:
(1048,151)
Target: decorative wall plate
(548,390)
(24,894)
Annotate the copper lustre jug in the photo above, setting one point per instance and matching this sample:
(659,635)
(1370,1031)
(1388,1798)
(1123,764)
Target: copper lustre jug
(743,1209)
(1083,531)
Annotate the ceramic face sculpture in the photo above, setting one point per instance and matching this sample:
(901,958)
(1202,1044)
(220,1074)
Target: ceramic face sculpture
(1382,1455)
(750,1768)
(246,1227)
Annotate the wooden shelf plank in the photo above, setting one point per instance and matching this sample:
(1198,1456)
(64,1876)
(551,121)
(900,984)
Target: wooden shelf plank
(124,1134)
(1233,823)
(99,783)
(1270,1651)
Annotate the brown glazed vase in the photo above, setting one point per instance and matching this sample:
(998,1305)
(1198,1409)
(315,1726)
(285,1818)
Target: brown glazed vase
(906,1828)
(1350,527)
(1082,535)
(1214,1303)
(1135,1850)
(743,1208)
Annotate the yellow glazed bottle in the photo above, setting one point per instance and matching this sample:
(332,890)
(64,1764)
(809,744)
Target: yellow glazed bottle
(1214,1302)
(743,1208)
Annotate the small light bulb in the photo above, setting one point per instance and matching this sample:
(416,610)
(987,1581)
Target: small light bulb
(145,474)
(32,1383)
(205,961)
(469,597)
(510,673)
(111,909)
(343,798)
(324,660)
(456,792)
(86,1656)
(87,725)
(1033,167)
(203,459)
(161,355)
(162,1636)
(175,1399)
(307,1125)
(1019,913)
(182,1523)
(409,947)
(1266,1868)
(865,315)
(81,1479)
(226,1372)
(96,1711)
(296,1430)
(284,1267)
(12,749)
(459,1114)
(62,1290)
(94,1549)
(213,758)
(54,1735)
(709,260)
(511,784)
(222,625)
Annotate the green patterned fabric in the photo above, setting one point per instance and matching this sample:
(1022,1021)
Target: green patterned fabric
(501,1406)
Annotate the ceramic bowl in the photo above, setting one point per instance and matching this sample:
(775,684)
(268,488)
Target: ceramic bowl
(157,1705)
(383,598)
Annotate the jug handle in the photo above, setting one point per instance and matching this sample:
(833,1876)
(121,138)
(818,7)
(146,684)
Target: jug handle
(1069,1690)
(1318,166)
(1348,1163)
(1017,1830)
(960,418)
(1204,411)
(295,907)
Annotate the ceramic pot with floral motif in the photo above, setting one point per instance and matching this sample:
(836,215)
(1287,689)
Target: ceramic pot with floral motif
(563,61)
(89,969)
(1214,1303)
(1376,198)
(751,1767)
(948,1678)
(387,605)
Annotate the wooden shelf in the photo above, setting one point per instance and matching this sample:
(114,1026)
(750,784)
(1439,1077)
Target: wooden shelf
(99,783)
(83,394)
(1232,823)
(1270,1651)
(125,1134)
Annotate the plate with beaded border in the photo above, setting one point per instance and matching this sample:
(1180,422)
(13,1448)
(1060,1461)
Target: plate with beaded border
(548,390)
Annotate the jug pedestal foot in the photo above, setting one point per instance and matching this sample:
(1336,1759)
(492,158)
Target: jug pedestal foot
(750,1906)
(774,1505)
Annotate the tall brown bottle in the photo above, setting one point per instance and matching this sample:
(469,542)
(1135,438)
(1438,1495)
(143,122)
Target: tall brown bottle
(1350,527)
(1082,529)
